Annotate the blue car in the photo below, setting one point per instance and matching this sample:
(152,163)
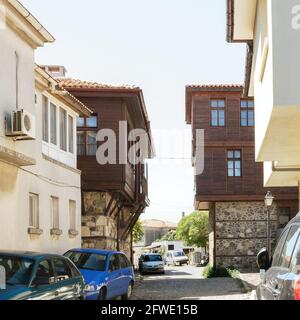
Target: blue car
(37,276)
(107,274)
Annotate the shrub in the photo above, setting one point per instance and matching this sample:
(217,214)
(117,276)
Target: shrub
(213,272)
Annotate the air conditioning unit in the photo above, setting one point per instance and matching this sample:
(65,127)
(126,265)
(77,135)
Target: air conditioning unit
(20,124)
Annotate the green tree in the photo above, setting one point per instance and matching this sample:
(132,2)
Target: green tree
(193,229)
(170,236)
(137,232)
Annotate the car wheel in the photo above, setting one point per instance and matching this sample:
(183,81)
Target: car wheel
(128,294)
(102,294)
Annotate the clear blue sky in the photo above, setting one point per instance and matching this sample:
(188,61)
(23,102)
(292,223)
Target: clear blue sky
(159,45)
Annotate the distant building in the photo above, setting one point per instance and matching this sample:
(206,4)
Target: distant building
(172,245)
(155,230)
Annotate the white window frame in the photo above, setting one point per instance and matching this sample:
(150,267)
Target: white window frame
(72,215)
(34,211)
(55,218)
(54,151)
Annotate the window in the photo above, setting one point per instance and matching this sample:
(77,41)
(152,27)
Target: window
(295,263)
(234,163)
(45,116)
(217,113)
(80,143)
(34,210)
(91,122)
(114,263)
(288,248)
(53,124)
(80,122)
(284,217)
(71,134)
(124,261)
(86,137)
(278,249)
(88,261)
(55,212)
(62,270)
(91,143)
(18,271)
(44,274)
(247,113)
(63,129)
(171,247)
(72,213)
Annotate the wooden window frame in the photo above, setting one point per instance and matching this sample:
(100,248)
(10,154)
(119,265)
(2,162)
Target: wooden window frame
(246,109)
(234,160)
(85,139)
(217,109)
(85,126)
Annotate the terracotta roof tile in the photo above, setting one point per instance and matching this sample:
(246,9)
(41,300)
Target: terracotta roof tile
(69,83)
(215,86)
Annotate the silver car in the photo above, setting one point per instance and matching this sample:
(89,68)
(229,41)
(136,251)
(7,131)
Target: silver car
(281,273)
(151,263)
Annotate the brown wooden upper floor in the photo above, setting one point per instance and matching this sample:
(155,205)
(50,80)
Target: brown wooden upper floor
(230,171)
(111,106)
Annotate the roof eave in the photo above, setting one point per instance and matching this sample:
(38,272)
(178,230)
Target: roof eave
(73,102)
(32,21)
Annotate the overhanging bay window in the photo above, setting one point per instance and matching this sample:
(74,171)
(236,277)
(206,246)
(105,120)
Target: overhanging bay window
(58,132)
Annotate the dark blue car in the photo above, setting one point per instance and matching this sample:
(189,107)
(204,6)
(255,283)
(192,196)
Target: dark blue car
(37,276)
(107,274)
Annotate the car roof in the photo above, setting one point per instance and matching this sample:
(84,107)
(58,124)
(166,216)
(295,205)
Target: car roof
(28,254)
(96,251)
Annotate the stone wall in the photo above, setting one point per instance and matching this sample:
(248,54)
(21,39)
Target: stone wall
(99,230)
(241,231)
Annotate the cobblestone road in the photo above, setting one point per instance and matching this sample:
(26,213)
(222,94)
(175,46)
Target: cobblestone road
(184,283)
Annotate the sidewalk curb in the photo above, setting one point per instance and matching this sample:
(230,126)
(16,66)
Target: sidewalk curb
(245,285)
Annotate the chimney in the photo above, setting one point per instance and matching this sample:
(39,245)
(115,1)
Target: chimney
(183,214)
(56,71)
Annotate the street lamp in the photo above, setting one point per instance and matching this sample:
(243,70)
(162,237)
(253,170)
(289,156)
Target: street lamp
(268,203)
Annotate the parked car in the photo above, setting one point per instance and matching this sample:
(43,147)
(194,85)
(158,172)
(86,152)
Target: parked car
(176,258)
(107,274)
(281,273)
(37,276)
(151,262)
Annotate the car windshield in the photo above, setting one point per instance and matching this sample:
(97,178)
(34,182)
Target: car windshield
(18,270)
(88,261)
(178,254)
(152,258)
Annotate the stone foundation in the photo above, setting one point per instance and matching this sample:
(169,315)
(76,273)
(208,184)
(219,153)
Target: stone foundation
(240,231)
(99,229)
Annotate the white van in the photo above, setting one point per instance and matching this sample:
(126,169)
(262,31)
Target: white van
(176,258)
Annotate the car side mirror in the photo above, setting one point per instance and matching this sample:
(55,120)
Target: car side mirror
(263,259)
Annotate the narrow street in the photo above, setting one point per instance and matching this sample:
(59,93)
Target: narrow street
(184,283)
